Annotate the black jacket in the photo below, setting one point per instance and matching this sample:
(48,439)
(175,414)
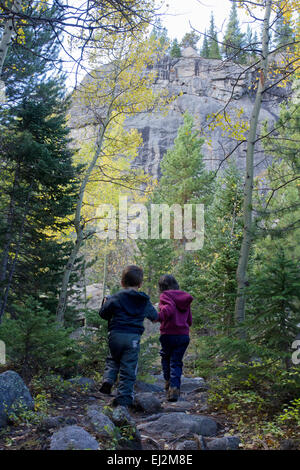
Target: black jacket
(126,311)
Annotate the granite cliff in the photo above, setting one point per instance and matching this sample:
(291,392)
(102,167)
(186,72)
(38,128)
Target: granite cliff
(201,87)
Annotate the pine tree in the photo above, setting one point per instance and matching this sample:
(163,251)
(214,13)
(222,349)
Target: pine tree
(34,344)
(214,268)
(184,177)
(280,211)
(283,33)
(37,172)
(184,180)
(39,194)
(251,42)
(156,258)
(190,40)
(213,45)
(175,50)
(274,299)
(22,71)
(160,34)
(233,40)
(205,47)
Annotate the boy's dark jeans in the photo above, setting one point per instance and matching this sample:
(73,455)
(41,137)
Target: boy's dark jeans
(123,359)
(172,352)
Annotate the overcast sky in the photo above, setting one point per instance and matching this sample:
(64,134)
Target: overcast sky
(178,16)
(180,13)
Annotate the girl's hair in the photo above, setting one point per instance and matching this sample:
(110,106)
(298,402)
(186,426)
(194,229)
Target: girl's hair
(168,282)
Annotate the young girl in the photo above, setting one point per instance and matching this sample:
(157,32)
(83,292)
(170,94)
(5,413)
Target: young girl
(175,319)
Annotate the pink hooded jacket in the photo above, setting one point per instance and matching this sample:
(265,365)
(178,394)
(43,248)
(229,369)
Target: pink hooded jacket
(175,312)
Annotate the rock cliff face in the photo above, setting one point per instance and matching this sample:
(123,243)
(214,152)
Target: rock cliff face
(201,87)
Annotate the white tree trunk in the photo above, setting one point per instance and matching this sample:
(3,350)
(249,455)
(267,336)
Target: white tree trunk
(8,34)
(248,187)
(79,227)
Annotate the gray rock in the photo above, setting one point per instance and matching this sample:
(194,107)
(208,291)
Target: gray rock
(146,387)
(129,437)
(51,422)
(73,438)
(121,416)
(147,402)
(178,406)
(188,384)
(14,396)
(132,440)
(100,422)
(187,445)
(224,443)
(83,382)
(201,87)
(193,384)
(70,420)
(185,424)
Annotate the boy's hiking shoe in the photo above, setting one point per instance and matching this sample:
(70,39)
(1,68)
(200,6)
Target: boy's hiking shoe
(173,394)
(106,388)
(167,385)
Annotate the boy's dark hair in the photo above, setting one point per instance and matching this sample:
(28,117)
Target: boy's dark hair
(168,282)
(132,276)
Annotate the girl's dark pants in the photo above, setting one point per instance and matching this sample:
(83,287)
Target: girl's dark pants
(172,351)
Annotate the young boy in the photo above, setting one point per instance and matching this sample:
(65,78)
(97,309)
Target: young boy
(125,312)
(175,320)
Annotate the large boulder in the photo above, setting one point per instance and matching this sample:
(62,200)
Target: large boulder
(14,396)
(73,438)
(147,402)
(172,424)
(100,422)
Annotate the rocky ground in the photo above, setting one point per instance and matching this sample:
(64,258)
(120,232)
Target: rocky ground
(82,418)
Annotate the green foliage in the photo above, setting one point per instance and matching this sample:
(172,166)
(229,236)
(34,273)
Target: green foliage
(213,45)
(175,50)
(233,41)
(274,299)
(190,39)
(93,345)
(264,384)
(149,355)
(291,413)
(205,47)
(251,42)
(155,257)
(213,270)
(184,178)
(24,69)
(279,211)
(34,343)
(48,386)
(160,34)
(38,193)
(283,34)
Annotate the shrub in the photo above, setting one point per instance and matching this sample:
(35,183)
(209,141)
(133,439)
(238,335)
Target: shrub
(35,343)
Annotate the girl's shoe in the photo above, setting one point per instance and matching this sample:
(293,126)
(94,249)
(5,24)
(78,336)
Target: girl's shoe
(173,394)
